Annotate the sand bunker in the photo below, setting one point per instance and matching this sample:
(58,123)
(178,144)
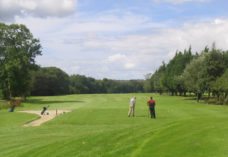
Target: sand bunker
(44,118)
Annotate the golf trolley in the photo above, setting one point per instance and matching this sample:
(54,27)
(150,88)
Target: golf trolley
(44,111)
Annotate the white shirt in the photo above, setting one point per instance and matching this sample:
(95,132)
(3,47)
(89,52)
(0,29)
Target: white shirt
(132,102)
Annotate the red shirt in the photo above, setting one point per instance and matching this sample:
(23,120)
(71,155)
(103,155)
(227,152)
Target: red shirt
(151,103)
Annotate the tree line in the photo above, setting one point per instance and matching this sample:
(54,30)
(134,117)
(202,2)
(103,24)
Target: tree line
(54,81)
(199,73)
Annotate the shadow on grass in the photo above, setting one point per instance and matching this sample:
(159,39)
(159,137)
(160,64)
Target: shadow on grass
(193,98)
(42,102)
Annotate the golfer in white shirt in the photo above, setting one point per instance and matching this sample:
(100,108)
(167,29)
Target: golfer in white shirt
(132,107)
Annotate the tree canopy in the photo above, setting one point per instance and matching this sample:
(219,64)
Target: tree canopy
(18,49)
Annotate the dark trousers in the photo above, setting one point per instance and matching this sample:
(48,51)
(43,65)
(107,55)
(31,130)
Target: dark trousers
(152,112)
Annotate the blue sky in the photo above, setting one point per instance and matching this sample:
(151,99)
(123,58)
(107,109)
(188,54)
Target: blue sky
(160,10)
(118,39)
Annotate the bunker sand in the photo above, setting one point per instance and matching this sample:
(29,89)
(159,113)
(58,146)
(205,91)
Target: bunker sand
(44,118)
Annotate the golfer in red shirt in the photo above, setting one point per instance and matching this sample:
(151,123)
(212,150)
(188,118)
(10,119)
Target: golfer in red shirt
(151,105)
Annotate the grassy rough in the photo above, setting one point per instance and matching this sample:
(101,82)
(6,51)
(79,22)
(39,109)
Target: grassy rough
(99,126)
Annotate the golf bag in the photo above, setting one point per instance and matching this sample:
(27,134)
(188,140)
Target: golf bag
(44,110)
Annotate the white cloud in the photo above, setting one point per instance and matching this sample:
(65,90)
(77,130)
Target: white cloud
(117,58)
(129,65)
(42,8)
(121,60)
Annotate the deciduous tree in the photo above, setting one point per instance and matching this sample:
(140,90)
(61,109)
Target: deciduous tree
(18,49)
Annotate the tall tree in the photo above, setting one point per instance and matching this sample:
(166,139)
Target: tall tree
(215,65)
(194,75)
(18,49)
(174,69)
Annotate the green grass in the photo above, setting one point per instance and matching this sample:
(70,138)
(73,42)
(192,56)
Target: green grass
(99,126)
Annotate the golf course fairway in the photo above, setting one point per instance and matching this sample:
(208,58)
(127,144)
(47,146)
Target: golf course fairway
(98,126)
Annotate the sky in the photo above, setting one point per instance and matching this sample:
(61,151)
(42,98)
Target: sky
(118,39)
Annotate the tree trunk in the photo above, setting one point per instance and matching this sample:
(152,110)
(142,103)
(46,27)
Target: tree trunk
(209,94)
